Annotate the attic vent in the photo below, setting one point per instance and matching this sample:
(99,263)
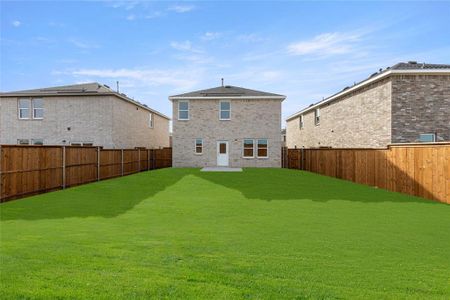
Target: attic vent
(412,62)
(374,74)
(228,86)
(107,86)
(346,88)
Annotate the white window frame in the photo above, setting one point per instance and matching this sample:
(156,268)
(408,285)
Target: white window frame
(432,134)
(19,142)
(243,148)
(33,141)
(19,109)
(35,109)
(267,149)
(189,106)
(150,120)
(195,146)
(301,122)
(317,116)
(220,110)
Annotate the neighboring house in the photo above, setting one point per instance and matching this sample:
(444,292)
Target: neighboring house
(406,103)
(82,114)
(227,126)
(283,137)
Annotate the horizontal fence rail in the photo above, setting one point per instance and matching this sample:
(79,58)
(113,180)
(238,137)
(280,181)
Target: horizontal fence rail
(414,169)
(28,170)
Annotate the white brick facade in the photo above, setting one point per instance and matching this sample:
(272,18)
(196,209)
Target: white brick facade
(250,119)
(362,119)
(105,120)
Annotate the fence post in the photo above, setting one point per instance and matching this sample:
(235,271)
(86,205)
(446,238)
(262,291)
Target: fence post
(98,163)
(139,160)
(301,163)
(148,159)
(64,167)
(121,151)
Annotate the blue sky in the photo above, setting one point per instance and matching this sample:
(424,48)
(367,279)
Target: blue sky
(305,50)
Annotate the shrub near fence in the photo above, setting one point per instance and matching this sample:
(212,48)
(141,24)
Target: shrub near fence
(27,170)
(415,169)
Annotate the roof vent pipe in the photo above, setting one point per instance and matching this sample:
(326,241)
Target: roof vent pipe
(222,82)
(117,83)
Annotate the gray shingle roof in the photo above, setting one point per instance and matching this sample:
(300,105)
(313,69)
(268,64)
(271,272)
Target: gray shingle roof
(83,89)
(412,65)
(227,91)
(92,87)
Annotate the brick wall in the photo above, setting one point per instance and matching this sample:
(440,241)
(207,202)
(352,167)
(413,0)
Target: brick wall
(249,119)
(360,119)
(420,104)
(104,120)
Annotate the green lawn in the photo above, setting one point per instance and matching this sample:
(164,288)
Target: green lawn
(262,233)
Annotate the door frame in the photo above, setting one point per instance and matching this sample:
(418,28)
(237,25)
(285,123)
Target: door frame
(227,153)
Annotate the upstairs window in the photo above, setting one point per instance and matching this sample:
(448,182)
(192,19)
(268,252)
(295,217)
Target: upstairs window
(23,142)
(427,138)
(37,142)
(262,148)
(24,108)
(150,120)
(317,116)
(248,148)
(183,110)
(225,110)
(198,146)
(38,108)
(301,124)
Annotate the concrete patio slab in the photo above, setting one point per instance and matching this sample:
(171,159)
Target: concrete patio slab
(221,169)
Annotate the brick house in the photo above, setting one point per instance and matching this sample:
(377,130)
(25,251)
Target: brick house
(408,102)
(82,114)
(226,126)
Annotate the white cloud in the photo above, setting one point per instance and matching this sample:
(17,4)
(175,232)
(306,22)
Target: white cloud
(82,44)
(131,17)
(185,46)
(183,79)
(181,8)
(195,58)
(16,23)
(153,15)
(127,5)
(251,38)
(209,36)
(326,44)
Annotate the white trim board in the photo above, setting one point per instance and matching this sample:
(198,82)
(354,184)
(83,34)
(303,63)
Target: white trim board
(227,97)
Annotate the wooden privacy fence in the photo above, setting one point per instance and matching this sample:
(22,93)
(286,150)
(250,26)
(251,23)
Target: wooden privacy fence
(419,170)
(27,170)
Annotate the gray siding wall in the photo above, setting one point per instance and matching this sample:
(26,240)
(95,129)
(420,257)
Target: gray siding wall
(420,104)
(90,119)
(361,119)
(249,119)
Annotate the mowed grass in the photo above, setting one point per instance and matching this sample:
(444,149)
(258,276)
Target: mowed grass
(262,233)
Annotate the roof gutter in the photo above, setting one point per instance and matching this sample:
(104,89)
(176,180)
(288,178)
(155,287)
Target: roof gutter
(371,80)
(225,97)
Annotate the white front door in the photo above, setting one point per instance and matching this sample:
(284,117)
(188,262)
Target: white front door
(222,153)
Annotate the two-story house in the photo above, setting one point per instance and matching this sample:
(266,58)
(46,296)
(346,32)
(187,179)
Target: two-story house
(226,126)
(405,103)
(89,114)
